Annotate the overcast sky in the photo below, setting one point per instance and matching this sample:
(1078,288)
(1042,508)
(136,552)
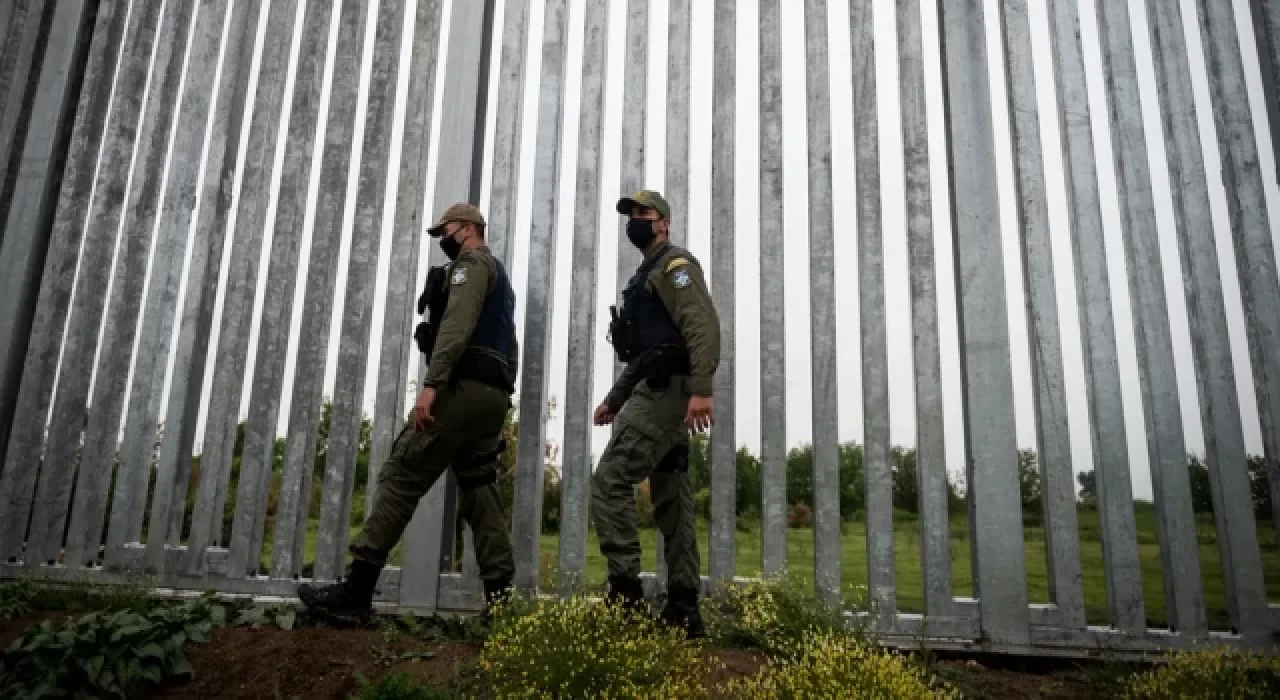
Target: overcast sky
(749,270)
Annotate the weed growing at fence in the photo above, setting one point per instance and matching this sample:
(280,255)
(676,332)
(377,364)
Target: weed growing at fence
(105,654)
(15,600)
(775,616)
(580,648)
(399,686)
(1218,673)
(827,662)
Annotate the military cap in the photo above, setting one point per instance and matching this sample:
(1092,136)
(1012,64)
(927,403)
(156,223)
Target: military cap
(461,212)
(645,198)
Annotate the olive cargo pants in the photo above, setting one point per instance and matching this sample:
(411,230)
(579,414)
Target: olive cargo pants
(464,436)
(649,441)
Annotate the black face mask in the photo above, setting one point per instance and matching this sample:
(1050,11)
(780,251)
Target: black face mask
(640,233)
(451,247)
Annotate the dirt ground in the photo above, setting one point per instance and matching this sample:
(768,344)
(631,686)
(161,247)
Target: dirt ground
(322,663)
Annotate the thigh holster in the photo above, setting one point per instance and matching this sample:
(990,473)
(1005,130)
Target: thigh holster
(471,471)
(675,461)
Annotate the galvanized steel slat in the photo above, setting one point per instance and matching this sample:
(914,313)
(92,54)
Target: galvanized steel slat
(773,380)
(526,526)
(576,485)
(931,455)
(508,130)
(995,512)
(723,216)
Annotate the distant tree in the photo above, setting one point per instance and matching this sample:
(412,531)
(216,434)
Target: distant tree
(749,487)
(1029,482)
(1260,487)
(1201,490)
(800,475)
(1088,487)
(906,479)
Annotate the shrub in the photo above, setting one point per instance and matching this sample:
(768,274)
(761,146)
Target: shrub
(827,662)
(773,616)
(399,686)
(15,600)
(104,654)
(800,515)
(579,648)
(1208,674)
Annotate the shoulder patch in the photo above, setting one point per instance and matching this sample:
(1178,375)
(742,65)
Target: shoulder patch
(676,262)
(680,279)
(459,275)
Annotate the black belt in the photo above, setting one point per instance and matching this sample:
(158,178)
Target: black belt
(480,366)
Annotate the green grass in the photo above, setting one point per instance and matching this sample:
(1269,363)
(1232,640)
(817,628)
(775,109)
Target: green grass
(853,560)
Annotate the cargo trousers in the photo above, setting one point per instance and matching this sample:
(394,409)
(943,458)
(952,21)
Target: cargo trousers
(649,441)
(465,437)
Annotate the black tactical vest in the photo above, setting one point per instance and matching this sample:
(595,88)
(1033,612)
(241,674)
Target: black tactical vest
(644,325)
(490,345)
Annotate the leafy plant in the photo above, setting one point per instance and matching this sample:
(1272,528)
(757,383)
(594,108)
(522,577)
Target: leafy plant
(399,686)
(15,600)
(825,662)
(579,648)
(774,616)
(1218,673)
(105,654)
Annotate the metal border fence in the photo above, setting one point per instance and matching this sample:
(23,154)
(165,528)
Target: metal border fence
(133,209)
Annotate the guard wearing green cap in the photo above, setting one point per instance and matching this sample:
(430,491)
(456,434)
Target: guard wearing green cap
(668,334)
(469,341)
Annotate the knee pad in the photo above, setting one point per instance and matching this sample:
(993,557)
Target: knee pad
(676,461)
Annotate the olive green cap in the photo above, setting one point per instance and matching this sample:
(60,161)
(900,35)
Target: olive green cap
(461,212)
(645,198)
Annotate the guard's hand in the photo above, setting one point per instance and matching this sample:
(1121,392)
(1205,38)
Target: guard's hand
(698,418)
(603,415)
(422,409)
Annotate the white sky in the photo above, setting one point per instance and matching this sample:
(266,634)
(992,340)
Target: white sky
(749,272)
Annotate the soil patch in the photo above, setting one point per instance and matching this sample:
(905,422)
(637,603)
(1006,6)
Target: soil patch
(1066,682)
(311,663)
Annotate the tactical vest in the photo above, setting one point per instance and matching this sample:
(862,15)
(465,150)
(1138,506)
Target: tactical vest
(485,359)
(645,330)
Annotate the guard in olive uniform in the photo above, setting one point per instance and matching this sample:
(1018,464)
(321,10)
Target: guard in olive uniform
(668,334)
(469,338)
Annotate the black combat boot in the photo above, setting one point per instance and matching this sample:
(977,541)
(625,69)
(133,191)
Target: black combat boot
(682,611)
(496,592)
(349,601)
(626,591)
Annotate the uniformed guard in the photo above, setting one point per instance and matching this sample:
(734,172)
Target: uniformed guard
(668,334)
(469,338)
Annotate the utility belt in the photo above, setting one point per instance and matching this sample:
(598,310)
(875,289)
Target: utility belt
(481,366)
(659,365)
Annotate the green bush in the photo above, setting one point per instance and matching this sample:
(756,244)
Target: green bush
(104,654)
(830,664)
(579,648)
(15,600)
(774,616)
(399,686)
(1218,673)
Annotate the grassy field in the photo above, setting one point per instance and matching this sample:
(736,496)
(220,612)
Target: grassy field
(853,560)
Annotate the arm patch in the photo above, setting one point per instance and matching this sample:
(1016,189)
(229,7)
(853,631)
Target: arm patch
(676,262)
